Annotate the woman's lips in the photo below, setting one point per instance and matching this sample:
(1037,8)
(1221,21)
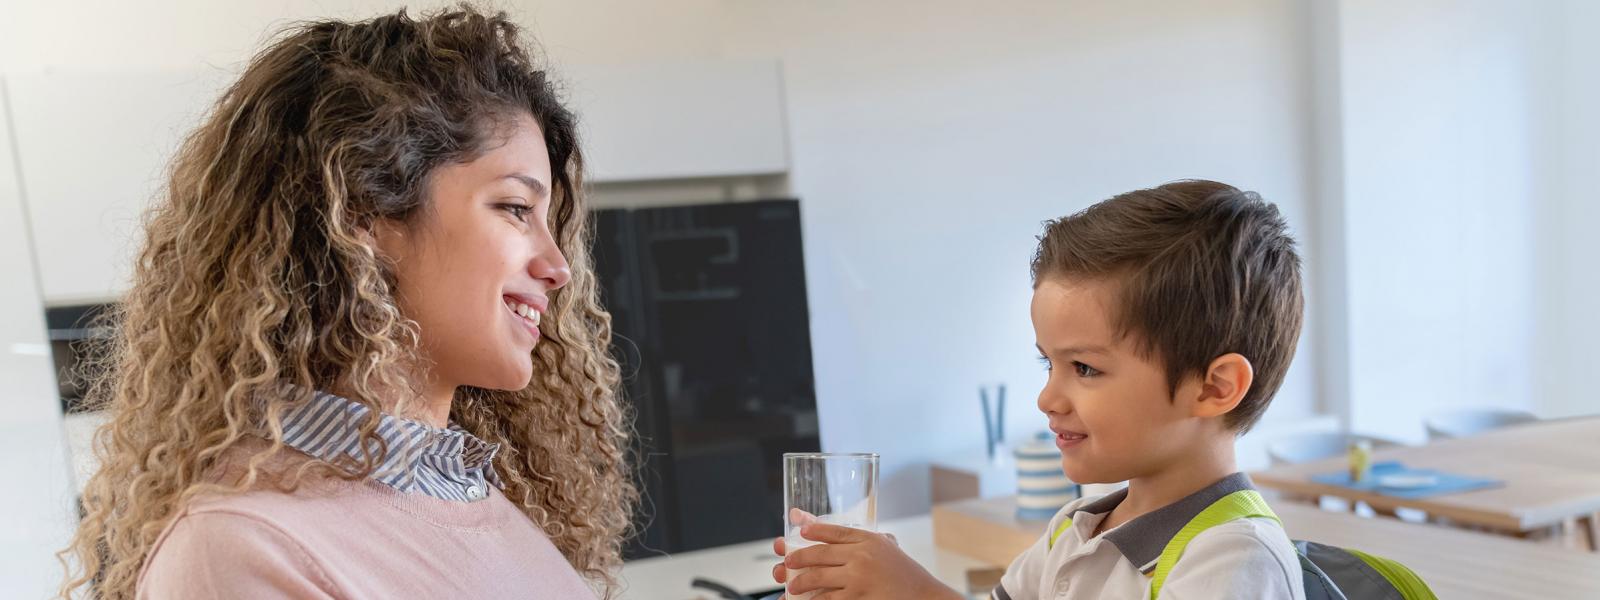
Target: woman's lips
(527,316)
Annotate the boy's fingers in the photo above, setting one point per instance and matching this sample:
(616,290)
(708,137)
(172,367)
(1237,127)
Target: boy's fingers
(819,578)
(800,518)
(779,573)
(778,547)
(833,534)
(820,555)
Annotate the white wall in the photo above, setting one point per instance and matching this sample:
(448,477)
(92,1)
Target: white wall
(1569,279)
(929,144)
(1452,191)
(929,140)
(90,172)
(1328,276)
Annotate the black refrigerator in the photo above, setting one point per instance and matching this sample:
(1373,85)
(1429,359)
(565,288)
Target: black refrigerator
(708,306)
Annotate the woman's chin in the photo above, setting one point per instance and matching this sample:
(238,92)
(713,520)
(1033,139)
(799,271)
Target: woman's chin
(513,378)
(518,382)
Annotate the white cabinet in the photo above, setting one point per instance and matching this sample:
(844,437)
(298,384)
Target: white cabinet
(93,149)
(37,510)
(686,119)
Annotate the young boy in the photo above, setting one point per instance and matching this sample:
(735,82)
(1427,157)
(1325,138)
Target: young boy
(1167,318)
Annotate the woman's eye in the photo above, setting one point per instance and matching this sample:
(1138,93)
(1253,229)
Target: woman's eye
(1084,370)
(517,210)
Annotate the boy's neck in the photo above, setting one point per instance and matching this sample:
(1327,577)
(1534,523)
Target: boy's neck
(1173,483)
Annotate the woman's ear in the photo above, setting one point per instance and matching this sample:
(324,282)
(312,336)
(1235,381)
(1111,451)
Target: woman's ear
(386,237)
(364,233)
(1226,381)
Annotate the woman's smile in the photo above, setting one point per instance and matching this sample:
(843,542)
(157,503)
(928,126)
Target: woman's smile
(525,312)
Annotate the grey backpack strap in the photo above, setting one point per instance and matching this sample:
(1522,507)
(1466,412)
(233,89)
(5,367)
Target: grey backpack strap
(1317,583)
(1346,573)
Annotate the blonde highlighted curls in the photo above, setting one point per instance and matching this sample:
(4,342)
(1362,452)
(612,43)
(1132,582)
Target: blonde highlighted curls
(254,279)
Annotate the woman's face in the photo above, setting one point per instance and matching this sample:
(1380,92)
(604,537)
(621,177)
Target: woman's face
(476,265)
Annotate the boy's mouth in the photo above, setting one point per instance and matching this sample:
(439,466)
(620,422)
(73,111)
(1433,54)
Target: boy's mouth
(1067,438)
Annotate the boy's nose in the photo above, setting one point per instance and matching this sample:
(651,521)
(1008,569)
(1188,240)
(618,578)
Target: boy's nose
(1053,404)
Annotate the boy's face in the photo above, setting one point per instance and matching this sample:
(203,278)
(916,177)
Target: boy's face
(1111,409)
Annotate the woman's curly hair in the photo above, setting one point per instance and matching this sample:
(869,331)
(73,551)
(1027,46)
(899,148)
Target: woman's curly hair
(254,286)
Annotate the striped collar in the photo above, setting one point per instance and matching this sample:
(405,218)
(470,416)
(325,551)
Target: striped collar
(449,464)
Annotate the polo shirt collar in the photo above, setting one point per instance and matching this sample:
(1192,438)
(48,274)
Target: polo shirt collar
(1142,539)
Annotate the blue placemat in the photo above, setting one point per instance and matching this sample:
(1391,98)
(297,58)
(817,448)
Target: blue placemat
(1446,483)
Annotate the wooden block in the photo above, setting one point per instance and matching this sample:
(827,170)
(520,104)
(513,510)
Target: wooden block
(980,581)
(950,484)
(984,529)
(971,476)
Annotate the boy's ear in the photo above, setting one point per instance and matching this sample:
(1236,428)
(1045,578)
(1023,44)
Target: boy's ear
(1225,383)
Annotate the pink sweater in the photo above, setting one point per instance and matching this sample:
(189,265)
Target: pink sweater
(337,539)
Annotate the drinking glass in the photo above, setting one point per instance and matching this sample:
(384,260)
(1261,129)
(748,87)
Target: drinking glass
(833,488)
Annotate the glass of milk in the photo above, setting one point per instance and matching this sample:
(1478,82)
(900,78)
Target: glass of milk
(824,487)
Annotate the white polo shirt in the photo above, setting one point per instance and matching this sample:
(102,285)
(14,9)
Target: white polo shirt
(1245,558)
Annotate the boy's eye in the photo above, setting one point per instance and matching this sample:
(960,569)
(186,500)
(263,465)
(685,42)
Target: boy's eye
(1084,370)
(1045,360)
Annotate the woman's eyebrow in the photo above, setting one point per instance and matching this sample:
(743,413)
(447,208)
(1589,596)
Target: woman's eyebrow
(538,187)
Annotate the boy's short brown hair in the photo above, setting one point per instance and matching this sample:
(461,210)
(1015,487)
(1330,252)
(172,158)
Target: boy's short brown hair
(1203,268)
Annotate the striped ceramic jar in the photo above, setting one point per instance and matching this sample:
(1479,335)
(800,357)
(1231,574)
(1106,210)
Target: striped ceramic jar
(1042,489)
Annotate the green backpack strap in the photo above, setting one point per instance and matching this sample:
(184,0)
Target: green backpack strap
(1403,579)
(1060,529)
(1242,504)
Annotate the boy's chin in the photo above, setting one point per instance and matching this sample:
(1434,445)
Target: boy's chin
(1082,474)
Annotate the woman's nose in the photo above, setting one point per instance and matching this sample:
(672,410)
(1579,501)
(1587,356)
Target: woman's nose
(551,268)
(548,264)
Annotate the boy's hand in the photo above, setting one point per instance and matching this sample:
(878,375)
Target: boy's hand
(851,563)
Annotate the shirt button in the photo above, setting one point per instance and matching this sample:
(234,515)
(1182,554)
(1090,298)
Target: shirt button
(474,492)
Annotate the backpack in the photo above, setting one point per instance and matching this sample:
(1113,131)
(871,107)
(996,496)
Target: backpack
(1330,572)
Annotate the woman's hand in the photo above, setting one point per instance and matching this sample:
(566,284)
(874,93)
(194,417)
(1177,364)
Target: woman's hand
(852,563)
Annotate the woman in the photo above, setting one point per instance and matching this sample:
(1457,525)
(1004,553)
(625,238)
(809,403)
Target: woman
(354,361)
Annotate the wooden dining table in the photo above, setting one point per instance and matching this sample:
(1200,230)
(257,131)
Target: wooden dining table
(1550,472)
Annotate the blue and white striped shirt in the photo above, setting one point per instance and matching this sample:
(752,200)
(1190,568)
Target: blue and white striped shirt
(449,464)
